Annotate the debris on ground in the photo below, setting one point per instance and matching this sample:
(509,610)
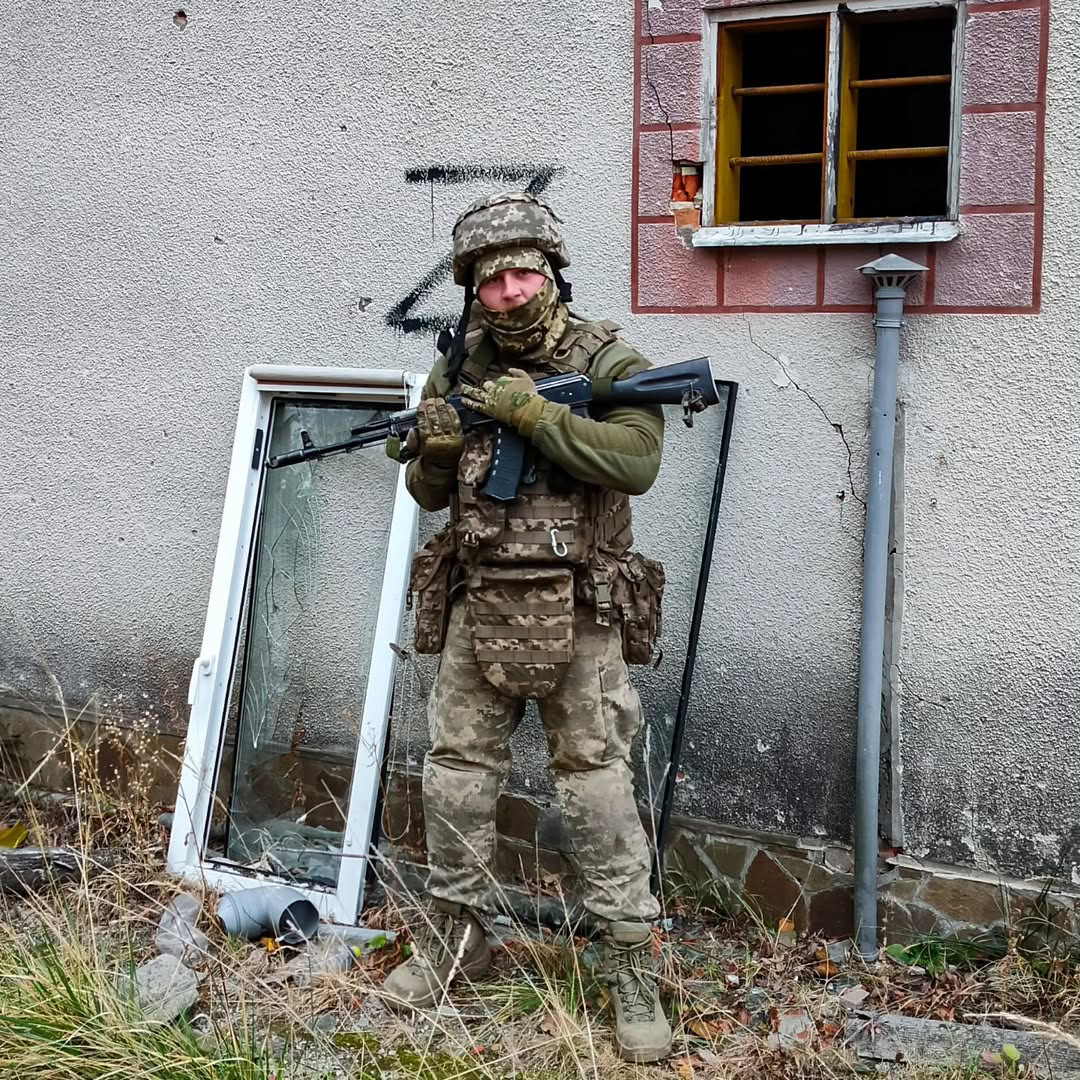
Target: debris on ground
(25,870)
(854,996)
(164,989)
(13,836)
(747,998)
(277,911)
(178,933)
(916,1041)
(791,1028)
(329,955)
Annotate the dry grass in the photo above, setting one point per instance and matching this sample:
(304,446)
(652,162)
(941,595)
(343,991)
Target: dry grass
(541,1013)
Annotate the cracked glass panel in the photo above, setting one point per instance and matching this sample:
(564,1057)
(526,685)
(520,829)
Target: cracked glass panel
(679,541)
(311,605)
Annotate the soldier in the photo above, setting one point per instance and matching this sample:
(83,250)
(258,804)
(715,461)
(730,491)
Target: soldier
(539,597)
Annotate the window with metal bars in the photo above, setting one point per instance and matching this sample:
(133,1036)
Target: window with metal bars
(836,117)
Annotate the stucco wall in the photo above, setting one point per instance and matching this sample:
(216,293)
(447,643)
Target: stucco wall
(181,203)
(991,643)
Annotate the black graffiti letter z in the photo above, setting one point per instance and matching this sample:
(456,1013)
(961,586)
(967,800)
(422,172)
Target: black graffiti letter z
(537,178)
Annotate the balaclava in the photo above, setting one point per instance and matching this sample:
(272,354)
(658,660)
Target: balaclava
(539,323)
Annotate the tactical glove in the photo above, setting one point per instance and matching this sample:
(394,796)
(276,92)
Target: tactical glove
(437,436)
(510,399)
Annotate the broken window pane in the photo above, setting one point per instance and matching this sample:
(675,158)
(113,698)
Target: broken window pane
(771,102)
(312,599)
(784,123)
(907,62)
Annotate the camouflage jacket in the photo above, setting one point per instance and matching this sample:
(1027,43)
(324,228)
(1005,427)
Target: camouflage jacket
(618,449)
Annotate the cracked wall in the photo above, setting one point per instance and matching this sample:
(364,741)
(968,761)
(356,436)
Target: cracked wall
(179,204)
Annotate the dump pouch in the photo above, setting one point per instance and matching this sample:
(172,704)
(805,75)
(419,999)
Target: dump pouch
(637,593)
(521,619)
(429,591)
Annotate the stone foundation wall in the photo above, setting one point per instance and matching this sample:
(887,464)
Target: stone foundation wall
(806,880)
(32,743)
(129,757)
(811,882)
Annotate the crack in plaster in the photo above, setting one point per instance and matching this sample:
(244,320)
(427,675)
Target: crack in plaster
(652,85)
(838,428)
(902,691)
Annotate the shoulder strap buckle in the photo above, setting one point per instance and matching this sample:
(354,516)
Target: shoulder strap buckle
(602,589)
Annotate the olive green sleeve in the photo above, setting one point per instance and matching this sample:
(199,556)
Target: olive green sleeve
(430,485)
(619,448)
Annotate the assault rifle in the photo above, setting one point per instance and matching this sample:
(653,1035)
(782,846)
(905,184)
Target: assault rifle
(689,384)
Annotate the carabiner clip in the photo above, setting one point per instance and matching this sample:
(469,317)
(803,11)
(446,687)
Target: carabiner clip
(557,545)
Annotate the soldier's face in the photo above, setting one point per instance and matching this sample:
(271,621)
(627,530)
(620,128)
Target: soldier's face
(509,289)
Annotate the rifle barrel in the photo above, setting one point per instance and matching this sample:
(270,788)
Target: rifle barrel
(361,437)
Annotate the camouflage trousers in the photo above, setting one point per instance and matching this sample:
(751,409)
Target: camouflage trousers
(590,719)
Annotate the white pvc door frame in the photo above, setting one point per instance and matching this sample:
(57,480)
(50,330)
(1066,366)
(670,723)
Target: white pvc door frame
(212,672)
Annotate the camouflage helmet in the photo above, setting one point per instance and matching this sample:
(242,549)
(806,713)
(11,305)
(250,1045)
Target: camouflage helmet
(509,219)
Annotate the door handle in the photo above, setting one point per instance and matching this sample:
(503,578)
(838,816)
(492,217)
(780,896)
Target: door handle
(203,666)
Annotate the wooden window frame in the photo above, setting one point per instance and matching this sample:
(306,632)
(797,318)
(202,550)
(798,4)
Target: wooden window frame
(721,110)
(728,159)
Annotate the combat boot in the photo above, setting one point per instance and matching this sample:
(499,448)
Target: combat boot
(642,1031)
(449,943)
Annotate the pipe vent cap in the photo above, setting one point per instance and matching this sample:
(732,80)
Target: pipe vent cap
(893,271)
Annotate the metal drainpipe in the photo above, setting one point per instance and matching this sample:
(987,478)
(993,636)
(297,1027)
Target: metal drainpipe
(891,275)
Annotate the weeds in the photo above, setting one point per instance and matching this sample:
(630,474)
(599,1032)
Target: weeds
(687,894)
(541,1015)
(539,976)
(61,1017)
(937,954)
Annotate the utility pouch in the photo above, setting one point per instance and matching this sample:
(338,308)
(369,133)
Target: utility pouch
(521,619)
(429,591)
(478,520)
(638,592)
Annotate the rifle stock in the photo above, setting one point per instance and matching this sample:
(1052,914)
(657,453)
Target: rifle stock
(689,384)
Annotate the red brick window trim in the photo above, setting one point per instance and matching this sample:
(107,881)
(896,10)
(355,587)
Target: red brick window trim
(994,217)
(850,115)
